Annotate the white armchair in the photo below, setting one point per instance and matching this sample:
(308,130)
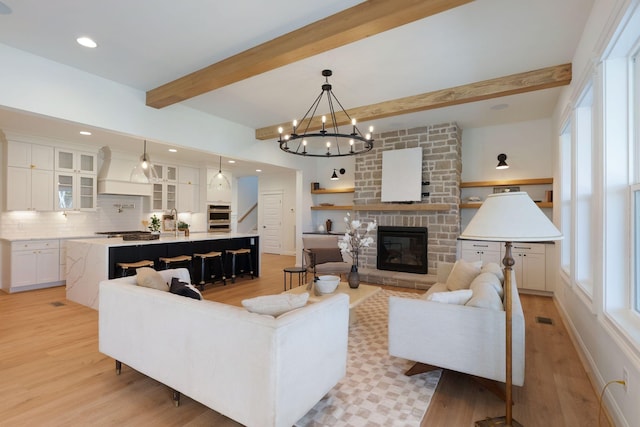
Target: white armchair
(462,338)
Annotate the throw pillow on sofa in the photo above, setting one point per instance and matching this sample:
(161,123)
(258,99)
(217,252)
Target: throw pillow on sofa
(275,305)
(459,297)
(184,289)
(485,295)
(490,279)
(149,278)
(462,274)
(494,268)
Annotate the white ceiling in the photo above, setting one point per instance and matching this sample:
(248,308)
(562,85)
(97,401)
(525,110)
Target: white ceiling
(146,43)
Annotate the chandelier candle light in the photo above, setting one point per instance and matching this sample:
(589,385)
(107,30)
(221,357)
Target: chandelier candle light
(325,143)
(355,238)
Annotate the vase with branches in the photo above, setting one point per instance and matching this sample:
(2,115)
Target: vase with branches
(355,239)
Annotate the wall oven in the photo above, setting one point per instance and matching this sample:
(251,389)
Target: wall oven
(219,218)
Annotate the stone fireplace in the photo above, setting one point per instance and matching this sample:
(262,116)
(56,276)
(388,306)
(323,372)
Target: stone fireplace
(438,212)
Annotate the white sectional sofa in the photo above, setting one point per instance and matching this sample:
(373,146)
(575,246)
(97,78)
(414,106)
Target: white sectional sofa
(458,337)
(256,369)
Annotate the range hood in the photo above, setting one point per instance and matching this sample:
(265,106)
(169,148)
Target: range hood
(114,174)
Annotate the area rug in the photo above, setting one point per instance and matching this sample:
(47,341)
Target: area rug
(375,391)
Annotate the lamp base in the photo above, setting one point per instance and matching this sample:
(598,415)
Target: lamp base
(497,422)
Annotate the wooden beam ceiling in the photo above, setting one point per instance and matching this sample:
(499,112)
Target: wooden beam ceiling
(530,81)
(353,24)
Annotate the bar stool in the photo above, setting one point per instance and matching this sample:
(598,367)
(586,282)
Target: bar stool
(233,253)
(168,262)
(209,256)
(127,267)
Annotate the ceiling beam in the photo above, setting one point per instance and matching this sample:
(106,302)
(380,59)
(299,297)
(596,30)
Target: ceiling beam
(353,24)
(544,78)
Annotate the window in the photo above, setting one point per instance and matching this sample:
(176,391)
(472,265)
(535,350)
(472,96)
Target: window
(636,248)
(566,172)
(583,192)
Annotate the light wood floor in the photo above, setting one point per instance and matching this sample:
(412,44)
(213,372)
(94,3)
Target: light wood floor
(51,373)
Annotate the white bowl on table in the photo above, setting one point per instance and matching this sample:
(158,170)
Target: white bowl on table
(326,284)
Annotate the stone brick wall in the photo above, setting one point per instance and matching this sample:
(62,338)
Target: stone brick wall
(441,166)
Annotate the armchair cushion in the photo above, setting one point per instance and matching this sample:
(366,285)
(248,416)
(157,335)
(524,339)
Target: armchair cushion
(323,255)
(494,268)
(487,292)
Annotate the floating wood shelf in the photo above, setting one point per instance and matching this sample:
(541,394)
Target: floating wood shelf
(403,207)
(533,181)
(333,190)
(477,205)
(332,208)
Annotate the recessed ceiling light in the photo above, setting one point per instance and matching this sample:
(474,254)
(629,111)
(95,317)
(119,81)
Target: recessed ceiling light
(258,170)
(86,42)
(85,132)
(232,161)
(173,150)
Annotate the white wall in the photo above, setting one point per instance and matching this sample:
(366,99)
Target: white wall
(605,347)
(528,146)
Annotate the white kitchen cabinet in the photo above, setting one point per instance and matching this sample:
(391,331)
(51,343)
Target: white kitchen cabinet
(75,180)
(29,184)
(164,196)
(72,161)
(188,189)
(34,263)
(530,265)
(75,191)
(30,156)
(29,189)
(473,250)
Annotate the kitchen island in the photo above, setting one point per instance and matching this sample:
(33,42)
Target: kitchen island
(90,261)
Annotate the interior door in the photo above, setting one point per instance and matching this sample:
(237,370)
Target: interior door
(271,232)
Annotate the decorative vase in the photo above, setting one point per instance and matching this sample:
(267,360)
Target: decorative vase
(354,277)
(328,224)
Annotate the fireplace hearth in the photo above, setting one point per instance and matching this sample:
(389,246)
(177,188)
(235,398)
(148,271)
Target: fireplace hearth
(402,249)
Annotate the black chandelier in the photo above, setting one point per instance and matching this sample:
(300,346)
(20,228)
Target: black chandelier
(325,143)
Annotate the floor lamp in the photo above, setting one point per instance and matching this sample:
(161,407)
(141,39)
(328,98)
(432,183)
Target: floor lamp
(509,217)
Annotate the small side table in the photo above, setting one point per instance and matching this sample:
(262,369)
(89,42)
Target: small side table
(300,271)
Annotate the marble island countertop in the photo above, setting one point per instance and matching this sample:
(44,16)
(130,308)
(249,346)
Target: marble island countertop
(164,238)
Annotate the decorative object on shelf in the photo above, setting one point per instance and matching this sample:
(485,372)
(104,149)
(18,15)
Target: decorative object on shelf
(219,182)
(144,171)
(354,240)
(328,223)
(318,144)
(154,224)
(315,186)
(502,163)
(509,217)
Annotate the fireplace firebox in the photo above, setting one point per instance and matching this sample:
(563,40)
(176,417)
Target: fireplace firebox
(402,249)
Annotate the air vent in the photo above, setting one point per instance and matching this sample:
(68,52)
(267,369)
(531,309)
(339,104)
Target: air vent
(544,320)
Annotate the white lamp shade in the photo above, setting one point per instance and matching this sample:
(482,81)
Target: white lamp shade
(510,217)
